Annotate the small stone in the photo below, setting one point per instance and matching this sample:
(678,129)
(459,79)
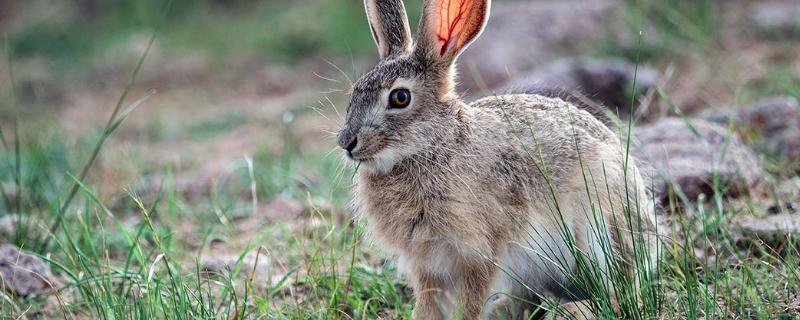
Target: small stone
(769,228)
(604,82)
(227,264)
(674,155)
(22,273)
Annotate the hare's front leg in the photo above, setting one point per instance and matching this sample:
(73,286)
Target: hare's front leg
(425,292)
(474,287)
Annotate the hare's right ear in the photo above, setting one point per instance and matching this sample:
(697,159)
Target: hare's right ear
(449,26)
(389,24)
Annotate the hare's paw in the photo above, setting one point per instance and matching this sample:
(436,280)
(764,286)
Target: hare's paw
(576,310)
(511,308)
(502,308)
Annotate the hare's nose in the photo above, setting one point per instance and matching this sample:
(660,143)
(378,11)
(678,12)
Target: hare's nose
(352,145)
(346,139)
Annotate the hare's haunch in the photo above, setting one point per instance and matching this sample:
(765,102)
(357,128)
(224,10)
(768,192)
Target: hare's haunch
(489,206)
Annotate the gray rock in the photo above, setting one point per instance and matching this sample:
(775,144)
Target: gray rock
(678,157)
(776,122)
(23,274)
(598,85)
(771,124)
(769,228)
(776,18)
(522,35)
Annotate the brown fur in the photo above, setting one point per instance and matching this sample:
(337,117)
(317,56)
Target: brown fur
(466,195)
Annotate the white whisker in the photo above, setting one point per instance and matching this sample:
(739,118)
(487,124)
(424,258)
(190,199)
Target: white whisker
(340,71)
(326,78)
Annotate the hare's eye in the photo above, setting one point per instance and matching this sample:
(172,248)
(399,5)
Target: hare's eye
(399,98)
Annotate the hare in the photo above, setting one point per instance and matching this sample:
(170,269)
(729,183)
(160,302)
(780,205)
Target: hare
(487,206)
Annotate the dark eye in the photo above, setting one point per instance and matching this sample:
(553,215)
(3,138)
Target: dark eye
(399,98)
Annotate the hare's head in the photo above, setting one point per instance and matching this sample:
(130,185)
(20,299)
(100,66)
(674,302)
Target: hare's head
(406,103)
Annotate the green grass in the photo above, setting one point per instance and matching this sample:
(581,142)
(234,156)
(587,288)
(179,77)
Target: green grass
(131,263)
(134,261)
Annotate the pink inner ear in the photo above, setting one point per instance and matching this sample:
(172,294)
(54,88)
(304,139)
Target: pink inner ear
(452,17)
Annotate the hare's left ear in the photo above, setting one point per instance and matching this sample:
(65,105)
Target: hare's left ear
(449,26)
(389,24)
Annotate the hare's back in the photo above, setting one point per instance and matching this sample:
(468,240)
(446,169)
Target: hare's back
(550,132)
(543,117)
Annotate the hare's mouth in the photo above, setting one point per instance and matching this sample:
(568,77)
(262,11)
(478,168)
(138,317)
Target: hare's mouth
(377,162)
(360,159)
(363,159)
(366,153)
(361,156)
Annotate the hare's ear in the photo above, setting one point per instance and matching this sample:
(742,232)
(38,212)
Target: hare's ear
(389,24)
(449,26)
